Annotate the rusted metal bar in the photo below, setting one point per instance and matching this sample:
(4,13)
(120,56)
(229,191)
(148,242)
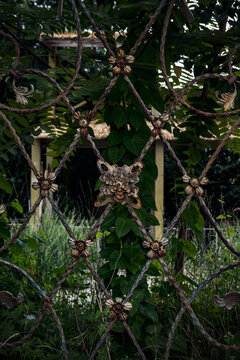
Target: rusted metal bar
(178,215)
(146,148)
(102,340)
(26,275)
(22,227)
(190,299)
(67,153)
(99,34)
(104,95)
(97,278)
(139,99)
(148,26)
(219,148)
(95,149)
(18,55)
(63,278)
(62,96)
(138,222)
(31,331)
(172,153)
(61,333)
(61,217)
(194,318)
(162,49)
(18,141)
(99,221)
(218,231)
(139,278)
(134,340)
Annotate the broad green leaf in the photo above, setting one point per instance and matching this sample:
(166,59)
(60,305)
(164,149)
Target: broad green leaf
(148,310)
(133,143)
(16,205)
(4,185)
(122,226)
(109,221)
(116,153)
(4,231)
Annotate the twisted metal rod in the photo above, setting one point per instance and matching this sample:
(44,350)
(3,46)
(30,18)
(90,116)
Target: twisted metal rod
(18,141)
(22,227)
(218,231)
(147,27)
(172,153)
(219,148)
(194,318)
(67,154)
(191,299)
(31,331)
(134,340)
(96,28)
(64,93)
(60,329)
(26,275)
(104,95)
(146,148)
(54,83)
(18,54)
(139,99)
(137,281)
(178,215)
(102,340)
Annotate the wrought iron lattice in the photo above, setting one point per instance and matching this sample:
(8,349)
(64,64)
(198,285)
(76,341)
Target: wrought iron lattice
(119,183)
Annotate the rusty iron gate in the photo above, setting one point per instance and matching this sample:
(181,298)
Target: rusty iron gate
(119,183)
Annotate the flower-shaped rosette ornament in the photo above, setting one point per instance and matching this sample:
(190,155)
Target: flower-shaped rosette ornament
(119,184)
(2,208)
(156,126)
(80,247)
(157,248)
(21,93)
(45,184)
(121,62)
(117,309)
(194,185)
(83,121)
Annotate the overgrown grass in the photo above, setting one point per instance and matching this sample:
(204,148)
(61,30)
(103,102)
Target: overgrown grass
(44,253)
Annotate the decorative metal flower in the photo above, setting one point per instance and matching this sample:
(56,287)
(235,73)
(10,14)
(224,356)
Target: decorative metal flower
(157,248)
(118,308)
(80,247)
(83,121)
(229,300)
(121,62)
(194,185)
(156,126)
(119,184)
(2,208)
(9,300)
(21,92)
(45,184)
(227,99)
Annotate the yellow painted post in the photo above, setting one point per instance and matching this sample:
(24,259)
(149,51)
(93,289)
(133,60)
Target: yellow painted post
(47,204)
(34,194)
(159,184)
(52,58)
(159,188)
